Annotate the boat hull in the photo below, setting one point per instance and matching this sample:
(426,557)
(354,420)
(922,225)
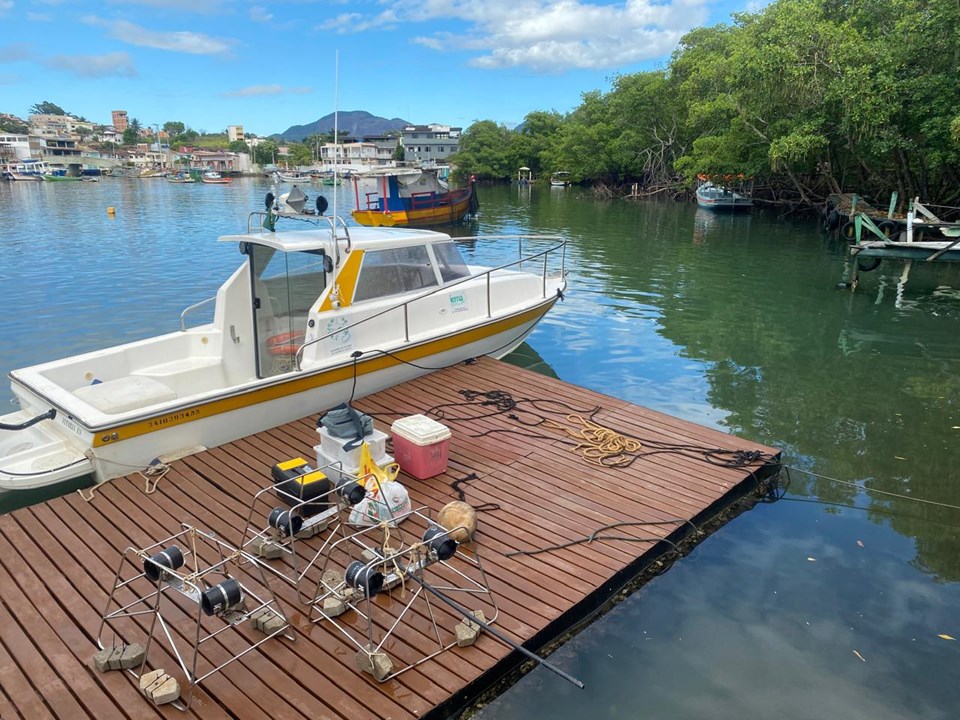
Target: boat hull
(177,430)
(446,214)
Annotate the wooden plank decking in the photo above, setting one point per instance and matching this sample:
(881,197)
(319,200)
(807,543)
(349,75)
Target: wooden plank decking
(58,559)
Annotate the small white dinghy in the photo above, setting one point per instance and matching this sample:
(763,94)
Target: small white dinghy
(306,315)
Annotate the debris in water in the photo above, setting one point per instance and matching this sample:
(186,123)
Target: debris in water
(860,543)
(810,559)
(944,636)
(859,656)
(897,457)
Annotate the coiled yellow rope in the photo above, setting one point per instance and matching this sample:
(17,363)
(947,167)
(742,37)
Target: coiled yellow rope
(598,444)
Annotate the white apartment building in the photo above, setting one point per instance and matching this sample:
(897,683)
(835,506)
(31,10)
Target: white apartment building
(235,132)
(58,126)
(430,143)
(14,147)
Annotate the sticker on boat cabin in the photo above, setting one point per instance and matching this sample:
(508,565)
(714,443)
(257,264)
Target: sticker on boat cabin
(458,302)
(341,342)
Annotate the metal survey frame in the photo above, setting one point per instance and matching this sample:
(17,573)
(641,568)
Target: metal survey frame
(311,523)
(189,585)
(417,557)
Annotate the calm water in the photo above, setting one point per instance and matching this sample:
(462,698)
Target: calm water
(828,603)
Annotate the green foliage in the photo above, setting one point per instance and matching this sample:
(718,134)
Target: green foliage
(485,152)
(130,136)
(47,108)
(174,127)
(399,153)
(239,146)
(12,126)
(299,154)
(815,96)
(265,153)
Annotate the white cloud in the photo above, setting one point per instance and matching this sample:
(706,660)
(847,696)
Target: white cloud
(257,90)
(5,5)
(260,14)
(38,17)
(16,53)
(206,7)
(541,34)
(118,64)
(182,41)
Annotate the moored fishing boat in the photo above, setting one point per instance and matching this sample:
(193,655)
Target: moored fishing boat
(308,320)
(560,179)
(212,177)
(294,177)
(409,197)
(181,178)
(733,196)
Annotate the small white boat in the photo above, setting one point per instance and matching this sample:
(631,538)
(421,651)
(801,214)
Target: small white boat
(309,319)
(292,177)
(717,197)
(560,179)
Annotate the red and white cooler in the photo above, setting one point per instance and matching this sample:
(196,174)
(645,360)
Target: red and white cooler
(421,445)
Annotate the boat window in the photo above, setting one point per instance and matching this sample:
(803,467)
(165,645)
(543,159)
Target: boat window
(450,262)
(394,271)
(286,284)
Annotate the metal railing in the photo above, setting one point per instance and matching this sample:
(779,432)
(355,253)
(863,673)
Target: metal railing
(195,306)
(561,247)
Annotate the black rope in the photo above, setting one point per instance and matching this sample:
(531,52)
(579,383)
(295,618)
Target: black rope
(462,495)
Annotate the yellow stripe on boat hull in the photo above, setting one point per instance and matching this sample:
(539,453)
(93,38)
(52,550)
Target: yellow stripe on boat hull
(297,385)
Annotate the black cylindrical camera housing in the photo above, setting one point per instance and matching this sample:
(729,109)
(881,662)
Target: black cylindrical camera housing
(440,542)
(351,491)
(360,577)
(171,558)
(218,598)
(285,522)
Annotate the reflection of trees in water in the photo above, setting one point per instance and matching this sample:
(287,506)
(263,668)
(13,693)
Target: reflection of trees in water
(844,385)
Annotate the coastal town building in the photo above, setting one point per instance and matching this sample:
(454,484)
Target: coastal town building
(59,126)
(430,143)
(14,147)
(234,133)
(120,122)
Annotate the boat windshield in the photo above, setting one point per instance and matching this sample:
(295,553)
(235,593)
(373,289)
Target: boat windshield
(394,271)
(285,287)
(450,262)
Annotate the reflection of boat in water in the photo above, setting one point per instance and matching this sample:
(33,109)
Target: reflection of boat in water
(308,320)
(526,357)
(721,197)
(410,197)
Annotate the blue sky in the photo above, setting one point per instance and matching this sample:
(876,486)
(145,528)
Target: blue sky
(266,66)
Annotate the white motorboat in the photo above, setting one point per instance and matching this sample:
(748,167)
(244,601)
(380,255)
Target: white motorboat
(311,318)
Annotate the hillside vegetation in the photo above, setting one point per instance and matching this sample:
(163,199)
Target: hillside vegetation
(809,97)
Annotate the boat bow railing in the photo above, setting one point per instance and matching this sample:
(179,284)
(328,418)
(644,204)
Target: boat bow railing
(543,256)
(192,308)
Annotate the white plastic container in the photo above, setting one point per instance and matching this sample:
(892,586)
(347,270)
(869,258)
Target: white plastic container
(335,469)
(333,447)
(421,445)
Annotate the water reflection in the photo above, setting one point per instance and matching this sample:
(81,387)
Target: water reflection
(731,321)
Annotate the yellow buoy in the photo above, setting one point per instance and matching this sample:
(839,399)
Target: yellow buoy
(111,211)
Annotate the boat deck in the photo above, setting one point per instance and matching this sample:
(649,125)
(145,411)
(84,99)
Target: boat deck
(58,559)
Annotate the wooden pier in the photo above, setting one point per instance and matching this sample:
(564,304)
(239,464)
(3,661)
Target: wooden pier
(58,559)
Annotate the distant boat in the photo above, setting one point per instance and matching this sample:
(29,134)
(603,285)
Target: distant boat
(292,177)
(181,178)
(409,197)
(214,178)
(718,197)
(560,179)
(60,176)
(29,169)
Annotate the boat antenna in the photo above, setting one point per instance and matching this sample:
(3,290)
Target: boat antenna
(336,131)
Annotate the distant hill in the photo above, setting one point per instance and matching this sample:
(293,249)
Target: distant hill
(356,123)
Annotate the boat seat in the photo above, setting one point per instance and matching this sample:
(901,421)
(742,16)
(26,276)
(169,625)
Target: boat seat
(125,394)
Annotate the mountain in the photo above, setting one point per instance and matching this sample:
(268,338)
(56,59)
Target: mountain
(356,123)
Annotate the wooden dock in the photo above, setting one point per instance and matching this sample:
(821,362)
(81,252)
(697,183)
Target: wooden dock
(58,559)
